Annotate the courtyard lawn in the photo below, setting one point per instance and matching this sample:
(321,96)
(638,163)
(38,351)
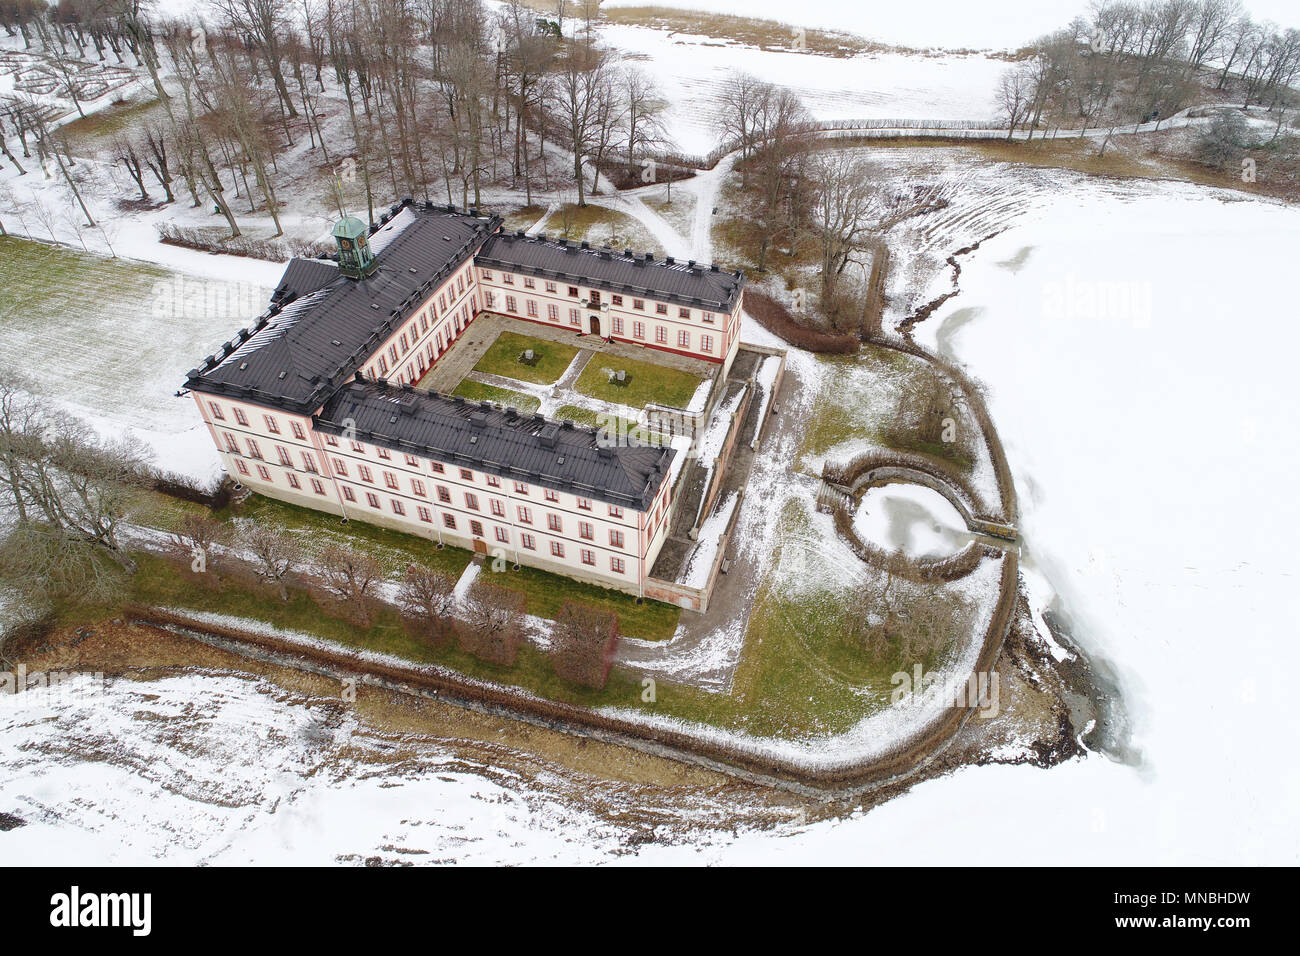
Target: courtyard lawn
(615,423)
(646,382)
(549,362)
(478,392)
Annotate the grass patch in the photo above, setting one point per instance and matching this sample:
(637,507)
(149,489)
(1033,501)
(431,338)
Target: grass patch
(478,392)
(645,383)
(393,549)
(109,121)
(546,593)
(550,359)
(865,400)
(600,227)
(522,218)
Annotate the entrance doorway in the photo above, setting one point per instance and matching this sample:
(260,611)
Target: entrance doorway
(595,325)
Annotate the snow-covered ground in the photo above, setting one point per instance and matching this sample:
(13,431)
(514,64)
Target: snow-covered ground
(691,70)
(912,519)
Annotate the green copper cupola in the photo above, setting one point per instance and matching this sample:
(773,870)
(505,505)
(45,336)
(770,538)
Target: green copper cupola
(356,261)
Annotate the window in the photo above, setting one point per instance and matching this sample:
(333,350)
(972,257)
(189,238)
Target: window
(532,308)
(584,504)
(573,292)
(508,278)
(550,287)
(553,522)
(552,495)
(449,521)
(510,304)
(616,299)
(683,339)
(318,486)
(283,454)
(528,541)
(471,501)
(529,283)
(390,480)
(489,300)
(498,508)
(364,472)
(239,463)
(615,511)
(683,313)
(575,317)
(661,309)
(493,481)
(502,535)
(466,475)
(398,507)
(708,316)
(557,549)
(383,365)
(217,413)
(525,515)
(444,495)
(383,453)
(298,433)
(372,499)
(412,461)
(392,354)
(264,472)
(616,539)
(616,565)
(405,348)
(240,416)
(521,488)
(339,467)
(487,274)
(437,467)
(618,325)
(661,335)
(417,486)
(476,528)
(638,330)
(347,493)
(638,304)
(358,447)
(232,446)
(331,440)
(706,343)
(553,312)
(253,450)
(588,557)
(424,513)
(585,530)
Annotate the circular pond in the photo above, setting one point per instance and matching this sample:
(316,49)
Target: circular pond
(910,518)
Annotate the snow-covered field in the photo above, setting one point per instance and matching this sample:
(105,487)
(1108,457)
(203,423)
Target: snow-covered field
(692,69)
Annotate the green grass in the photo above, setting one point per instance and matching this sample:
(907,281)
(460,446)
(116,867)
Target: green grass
(478,392)
(550,359)
(101,124)
(645,383)
(619,425)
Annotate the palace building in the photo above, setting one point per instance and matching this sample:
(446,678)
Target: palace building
(315,404)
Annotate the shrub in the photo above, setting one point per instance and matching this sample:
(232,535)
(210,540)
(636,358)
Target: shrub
(584,641)
(776,318)
(492,623)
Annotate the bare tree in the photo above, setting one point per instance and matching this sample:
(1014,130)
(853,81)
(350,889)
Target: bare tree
(583,643)
(276,553)
(492,624)
(351,577)
(427,598)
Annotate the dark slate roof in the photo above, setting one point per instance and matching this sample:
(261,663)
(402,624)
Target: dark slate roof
(685,283)
(321,328)
(303,277)
(497,441)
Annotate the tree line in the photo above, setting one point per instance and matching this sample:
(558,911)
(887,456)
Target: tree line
(438,99)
